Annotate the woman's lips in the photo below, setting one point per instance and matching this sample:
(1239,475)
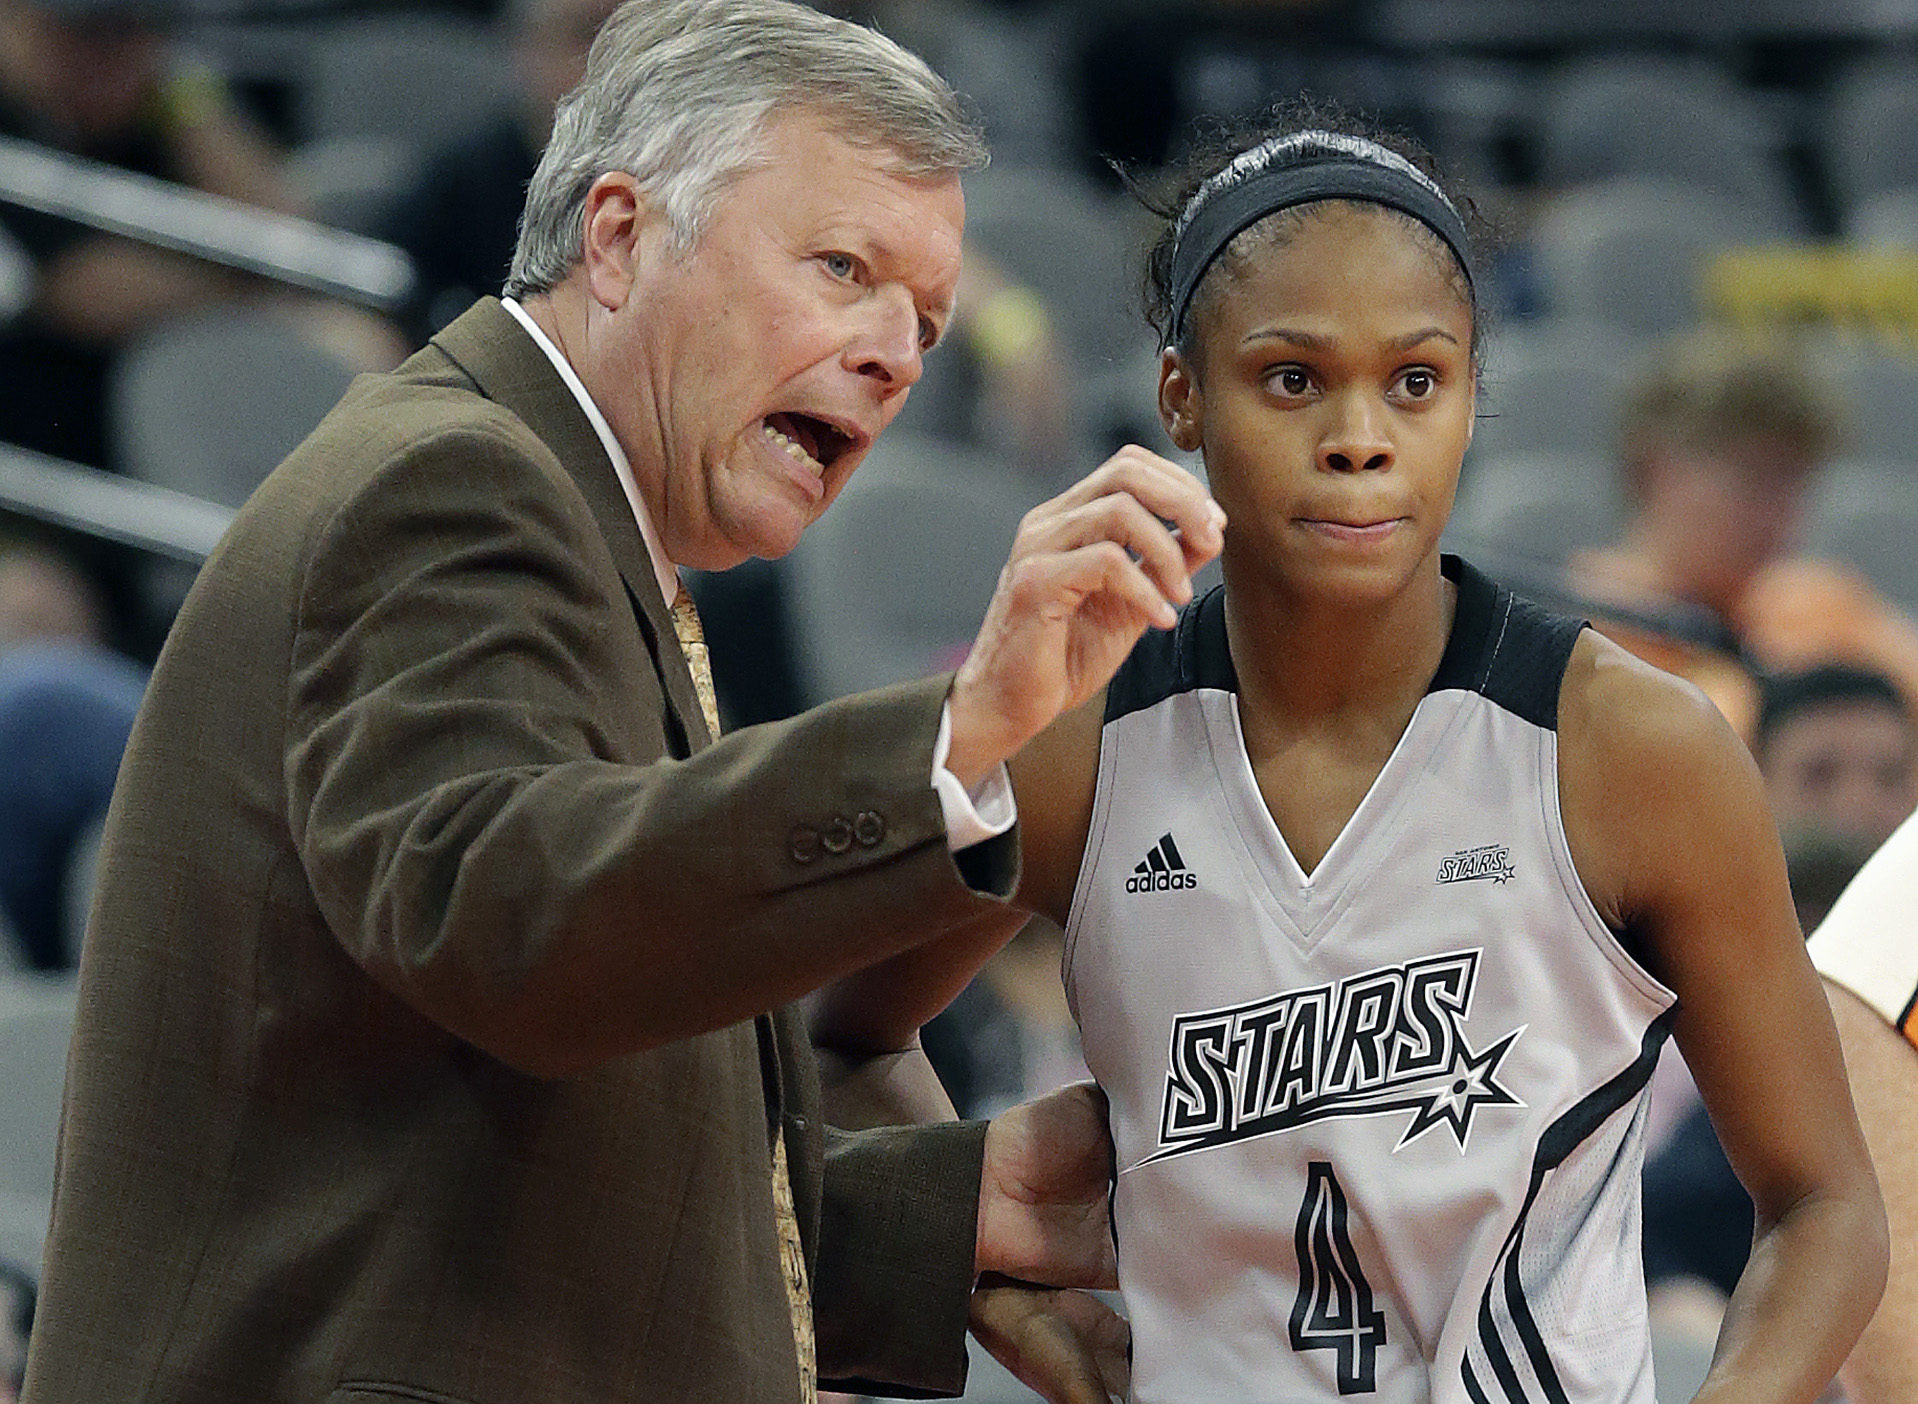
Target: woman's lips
(1357,533)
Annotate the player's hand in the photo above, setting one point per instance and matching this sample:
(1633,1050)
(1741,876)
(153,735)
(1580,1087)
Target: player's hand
(1067,1347)
(1089,572)
(1042,1192)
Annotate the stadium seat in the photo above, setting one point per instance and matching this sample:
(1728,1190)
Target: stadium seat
(1871,131)
(421,78)
(1674,118)
(1881,395)
(1864,512)
(1631,252)
(1074,245)
(893,581)
(1553,386)
(1885,218)
(36,1020)
(209,404)
(1525,514)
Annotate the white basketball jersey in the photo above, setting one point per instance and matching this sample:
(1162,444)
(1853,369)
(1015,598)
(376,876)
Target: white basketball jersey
(1378,1130)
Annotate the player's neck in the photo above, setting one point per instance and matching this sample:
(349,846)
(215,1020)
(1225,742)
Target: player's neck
(1308,661)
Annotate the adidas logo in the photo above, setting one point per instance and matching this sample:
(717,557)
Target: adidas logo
(1161,870)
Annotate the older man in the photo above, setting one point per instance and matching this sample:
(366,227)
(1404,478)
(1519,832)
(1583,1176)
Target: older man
(434,1038)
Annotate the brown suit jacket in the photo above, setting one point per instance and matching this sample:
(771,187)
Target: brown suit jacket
(422,1049)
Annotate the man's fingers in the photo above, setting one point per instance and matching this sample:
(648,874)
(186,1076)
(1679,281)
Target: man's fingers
(1164,489)
(1121,519)
(1068,1347)
(1063,581)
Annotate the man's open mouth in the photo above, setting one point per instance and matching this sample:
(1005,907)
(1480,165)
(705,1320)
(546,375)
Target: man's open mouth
(808,439)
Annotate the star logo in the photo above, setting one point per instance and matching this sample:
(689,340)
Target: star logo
(1389,1041)
(1468,1085)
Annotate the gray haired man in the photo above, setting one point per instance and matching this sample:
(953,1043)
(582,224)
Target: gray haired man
(436,1037)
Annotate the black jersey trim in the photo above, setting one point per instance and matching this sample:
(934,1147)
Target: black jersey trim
(1165,662)
(1472,1385)
(1560,1139)
(1504,647)
(1495,1353)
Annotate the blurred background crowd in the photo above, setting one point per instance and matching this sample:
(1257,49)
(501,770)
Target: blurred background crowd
(1698,414)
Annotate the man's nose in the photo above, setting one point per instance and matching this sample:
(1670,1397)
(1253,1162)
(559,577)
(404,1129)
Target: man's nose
(1355,437)
(886,346)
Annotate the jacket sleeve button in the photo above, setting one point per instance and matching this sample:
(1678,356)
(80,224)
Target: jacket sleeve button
(803,843)
(838,836)
(868,828)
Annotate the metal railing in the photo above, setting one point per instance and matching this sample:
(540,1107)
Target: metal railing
(287,249)
(107,506)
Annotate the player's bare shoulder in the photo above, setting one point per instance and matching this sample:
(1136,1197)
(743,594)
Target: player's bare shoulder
(1646,764)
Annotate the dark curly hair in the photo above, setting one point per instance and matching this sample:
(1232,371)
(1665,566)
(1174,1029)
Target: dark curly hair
(1216,144)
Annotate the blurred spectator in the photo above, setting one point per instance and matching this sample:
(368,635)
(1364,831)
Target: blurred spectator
(16,1324)
(1143,70)
(1004,381)
(459,221)
(99,79)
(43,596)
(1835,746)
(66,707)
(95,80)
(1721,439)
(1838,751)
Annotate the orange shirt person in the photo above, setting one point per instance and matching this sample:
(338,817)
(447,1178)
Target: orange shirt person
(1722,439)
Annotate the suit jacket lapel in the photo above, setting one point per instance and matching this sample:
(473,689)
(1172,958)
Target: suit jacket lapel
(512,371)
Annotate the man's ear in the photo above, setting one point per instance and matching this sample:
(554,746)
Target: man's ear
(621,232)
(1181,408)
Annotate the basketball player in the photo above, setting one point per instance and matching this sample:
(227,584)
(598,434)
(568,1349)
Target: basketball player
(1384,888)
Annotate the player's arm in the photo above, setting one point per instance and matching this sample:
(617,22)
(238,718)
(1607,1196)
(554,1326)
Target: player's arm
(1883,1368)
(881,1009)
(1672,837)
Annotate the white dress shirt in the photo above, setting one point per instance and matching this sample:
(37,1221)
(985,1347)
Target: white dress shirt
(971,817)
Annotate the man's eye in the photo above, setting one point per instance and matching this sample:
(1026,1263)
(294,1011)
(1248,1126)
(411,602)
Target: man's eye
(841,265)
(928,334)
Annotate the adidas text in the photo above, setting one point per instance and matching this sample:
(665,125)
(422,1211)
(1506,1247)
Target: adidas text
(1160,882)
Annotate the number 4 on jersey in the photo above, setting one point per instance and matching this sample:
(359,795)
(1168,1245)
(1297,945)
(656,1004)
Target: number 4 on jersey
(1334,1309)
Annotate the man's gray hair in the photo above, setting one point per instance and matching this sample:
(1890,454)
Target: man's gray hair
(678,94)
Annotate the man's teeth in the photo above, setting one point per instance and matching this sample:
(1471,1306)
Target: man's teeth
(792,447)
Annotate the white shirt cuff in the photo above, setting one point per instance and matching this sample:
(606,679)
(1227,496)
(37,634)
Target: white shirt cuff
(974,817)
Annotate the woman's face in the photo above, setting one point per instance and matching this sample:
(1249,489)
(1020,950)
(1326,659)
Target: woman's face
(1331,392)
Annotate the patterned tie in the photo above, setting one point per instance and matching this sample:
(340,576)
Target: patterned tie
(692,642)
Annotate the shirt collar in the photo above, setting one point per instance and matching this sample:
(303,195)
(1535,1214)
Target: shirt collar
(663,569)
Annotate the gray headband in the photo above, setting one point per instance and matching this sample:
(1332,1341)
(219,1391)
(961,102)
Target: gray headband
(1250,189)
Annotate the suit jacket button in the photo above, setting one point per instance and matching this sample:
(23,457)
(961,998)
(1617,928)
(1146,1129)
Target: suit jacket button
(803,843)
(868,828)
(838,836)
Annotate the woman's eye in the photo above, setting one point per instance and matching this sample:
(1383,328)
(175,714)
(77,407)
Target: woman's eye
(841,265)
(1419,384)
(1292,380)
